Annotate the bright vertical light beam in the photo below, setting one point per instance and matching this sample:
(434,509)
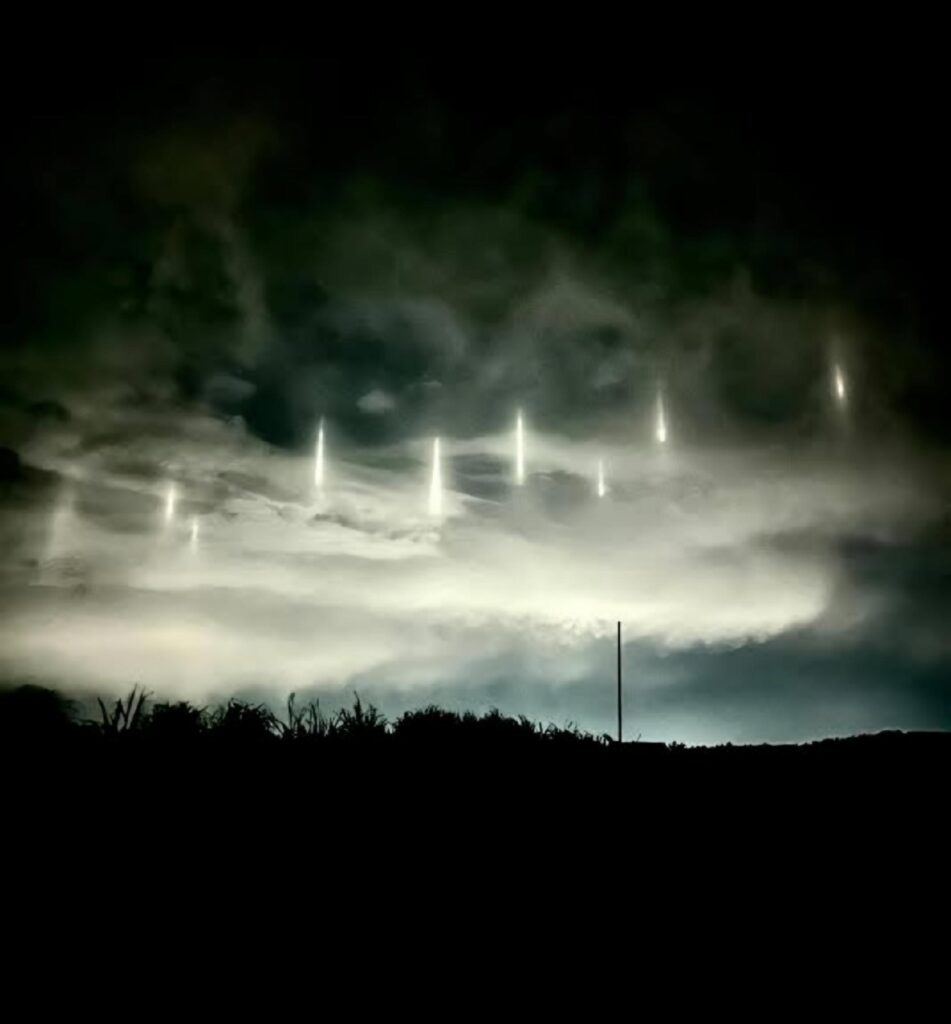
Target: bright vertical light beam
(519,449)
(171,500)
(838,384)
(602,490)
(319,457)
(660,424)
(193,539)
(435,483)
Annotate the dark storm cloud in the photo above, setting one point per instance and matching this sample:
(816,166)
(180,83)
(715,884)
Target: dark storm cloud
(205,272)
(307,239)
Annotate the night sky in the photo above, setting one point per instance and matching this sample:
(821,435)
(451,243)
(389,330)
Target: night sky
(206,256)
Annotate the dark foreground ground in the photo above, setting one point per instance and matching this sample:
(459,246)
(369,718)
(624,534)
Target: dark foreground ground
(443,807)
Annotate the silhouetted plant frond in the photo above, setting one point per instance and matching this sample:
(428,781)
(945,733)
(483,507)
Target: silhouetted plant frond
(125,714)
(360,721)
(305,723)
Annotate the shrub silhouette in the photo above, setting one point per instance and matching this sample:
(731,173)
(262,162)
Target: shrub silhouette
(433,725)
(360,723)
(34,713)
(307,724)
(241,723)
(32,717)
(180,722)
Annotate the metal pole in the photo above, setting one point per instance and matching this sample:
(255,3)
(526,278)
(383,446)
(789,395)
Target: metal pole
(619,728)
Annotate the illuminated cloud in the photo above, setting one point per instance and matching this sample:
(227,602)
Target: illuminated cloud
(666,391)
(718,548)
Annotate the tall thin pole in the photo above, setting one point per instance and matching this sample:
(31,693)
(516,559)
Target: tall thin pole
(619,728)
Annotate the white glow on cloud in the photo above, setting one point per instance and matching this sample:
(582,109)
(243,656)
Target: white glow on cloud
(838,384)
(376,402)
(171,500)
(319,457)
(435,483)
(368,588)
(519,449)
(660,423)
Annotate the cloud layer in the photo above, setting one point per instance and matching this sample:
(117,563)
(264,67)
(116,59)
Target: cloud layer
(216,280)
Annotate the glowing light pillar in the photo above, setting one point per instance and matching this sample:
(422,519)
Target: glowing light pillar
(660,423)
(193,540)
(435,483)
(839,390)
(319,457)
(602,490)
(519,449)
(171,500)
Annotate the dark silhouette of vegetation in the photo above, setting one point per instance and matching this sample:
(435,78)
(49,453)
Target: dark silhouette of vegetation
(124,715)
(31,714)
(35,718)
